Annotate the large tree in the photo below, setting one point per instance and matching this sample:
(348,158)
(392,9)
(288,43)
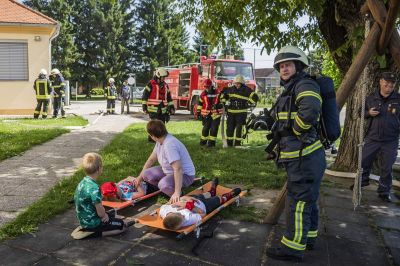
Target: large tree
(161,40)
(334,25)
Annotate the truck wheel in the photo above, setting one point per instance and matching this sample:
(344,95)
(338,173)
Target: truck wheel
(193,105)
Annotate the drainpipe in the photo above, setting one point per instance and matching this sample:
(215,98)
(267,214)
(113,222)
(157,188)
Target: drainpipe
(57,32)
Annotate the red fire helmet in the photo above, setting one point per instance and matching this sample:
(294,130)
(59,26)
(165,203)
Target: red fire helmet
(207,83)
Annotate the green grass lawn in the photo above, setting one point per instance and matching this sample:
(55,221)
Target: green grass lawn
(128,151)
(19,135)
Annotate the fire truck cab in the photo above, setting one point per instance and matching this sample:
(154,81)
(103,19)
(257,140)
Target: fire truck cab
(186,81)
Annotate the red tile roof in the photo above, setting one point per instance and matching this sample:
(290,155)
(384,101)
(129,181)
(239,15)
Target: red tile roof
(13,12)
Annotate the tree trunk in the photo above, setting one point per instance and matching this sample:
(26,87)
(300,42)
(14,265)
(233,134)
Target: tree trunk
(347,157)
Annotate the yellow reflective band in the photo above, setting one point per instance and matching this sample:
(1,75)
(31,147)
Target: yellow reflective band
(201,100)
(308,93)
(301,123)
(312,233)
(238,96)
(298,222)
(237,111)
(307,150)
(292,244)
(212,138)
(284,115)
(204,137)
(44,113)
(144,102)
(296,132)
(147,88)
(63,84)
(230,138)
(198,107)
(171,103)
(37,112)
(214,116)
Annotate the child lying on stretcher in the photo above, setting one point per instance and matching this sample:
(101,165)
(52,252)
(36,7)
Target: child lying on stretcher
(191,209)
(123,190)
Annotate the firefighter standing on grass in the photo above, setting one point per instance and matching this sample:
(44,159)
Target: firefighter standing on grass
(209,110)
(110,92)
(237,99)
(58,84)
(300,152)
(156,99)
(43,90)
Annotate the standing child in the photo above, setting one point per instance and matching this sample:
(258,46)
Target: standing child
(91,214)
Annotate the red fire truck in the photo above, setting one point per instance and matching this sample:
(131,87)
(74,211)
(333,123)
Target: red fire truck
(186,81)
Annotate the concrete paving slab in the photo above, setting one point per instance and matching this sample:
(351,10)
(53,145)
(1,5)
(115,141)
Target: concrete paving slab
(47,239)
(388,222)
(66,220)
(346,252)
(96,251)
(16,203)
(350,231)
(347,216)
(16,257)
(51,261)
(337,202)
(141,255)
(392,238)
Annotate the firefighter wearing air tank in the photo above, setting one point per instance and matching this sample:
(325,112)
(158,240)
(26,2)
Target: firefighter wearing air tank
(209,110)
(300,151)
(58,84)
(43,90)
(156,100)
(110,93)
(237,99)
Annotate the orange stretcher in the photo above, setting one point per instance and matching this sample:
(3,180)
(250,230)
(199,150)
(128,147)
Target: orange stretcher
(154,220)
(119,205)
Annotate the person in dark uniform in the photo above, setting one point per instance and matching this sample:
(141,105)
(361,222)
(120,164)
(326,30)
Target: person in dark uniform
(382,109)
(209,110)
(156,99)
(299,151)
(58,84)
(110,92)
(43,90)
(238,99)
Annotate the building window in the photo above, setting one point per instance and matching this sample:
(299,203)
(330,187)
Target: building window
(13,61)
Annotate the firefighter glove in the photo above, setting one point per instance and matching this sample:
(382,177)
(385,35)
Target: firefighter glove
(171,109)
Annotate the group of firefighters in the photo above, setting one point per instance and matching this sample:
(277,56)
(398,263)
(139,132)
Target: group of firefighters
(44,88)
(235,100)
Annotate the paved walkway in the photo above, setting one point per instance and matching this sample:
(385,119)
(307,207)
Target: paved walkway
(25,178)
(368,236)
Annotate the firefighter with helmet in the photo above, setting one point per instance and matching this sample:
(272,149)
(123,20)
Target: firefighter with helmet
(58,84)
(237,99)
(110,93)
(43,90)
(209,109)
(299,151)
(156,99)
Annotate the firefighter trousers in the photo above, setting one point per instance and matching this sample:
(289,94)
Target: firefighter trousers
(210,130)
(387,151)
(304,180)
(110,106)
(58,105)
(235,122)
(41,103)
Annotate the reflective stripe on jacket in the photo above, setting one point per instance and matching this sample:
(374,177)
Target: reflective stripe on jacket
(58,85)
(42,88)
(110,92)
(239,99)
(156,95)
(209,103)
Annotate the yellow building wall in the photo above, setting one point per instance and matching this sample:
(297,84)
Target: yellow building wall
(18,97)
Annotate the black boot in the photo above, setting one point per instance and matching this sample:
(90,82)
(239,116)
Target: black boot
(280,254)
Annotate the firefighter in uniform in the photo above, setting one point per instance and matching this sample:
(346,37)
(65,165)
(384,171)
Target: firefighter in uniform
(299,151)
(110,92)
(43,90)
(209,110)
(156,99)
(237,99)
(58,84)
(382,109)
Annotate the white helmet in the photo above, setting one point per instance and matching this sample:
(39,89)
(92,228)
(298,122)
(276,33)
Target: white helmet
(43,72)
(290,53)
(55,71)
(239,79)
(111,80)
(161,72)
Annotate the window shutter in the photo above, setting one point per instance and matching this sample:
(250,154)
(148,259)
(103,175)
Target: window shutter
(14,61)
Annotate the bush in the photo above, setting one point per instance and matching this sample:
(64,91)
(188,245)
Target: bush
(97,91)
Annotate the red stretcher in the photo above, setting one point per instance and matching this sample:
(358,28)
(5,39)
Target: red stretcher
(119,205)
(154,220)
